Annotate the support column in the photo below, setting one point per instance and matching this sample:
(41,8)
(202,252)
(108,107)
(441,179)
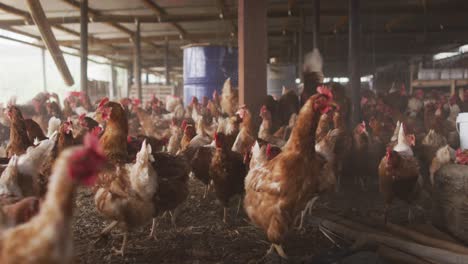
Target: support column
(253,52)
(130,81)
(300,49)
(84,45)
(147,78)
(137,61)
(316,24)
(113,83)
(353,61)
(44,70)
(166,62)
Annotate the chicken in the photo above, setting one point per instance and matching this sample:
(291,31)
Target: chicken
(21,177)
(227,170)
(245,139)
(273,199)
(264,132)
(21,211)
(416,103)
(64,139)
(324,126)
(189,134)
(129,206)
(19,140)
(229,99)
(114,139)
(360,154)
(34,130)
(343,145)
(47,238)
(399,174)
(442,157)
(172,170)
(173,145)
(200,163)
(432,142)
(54,124)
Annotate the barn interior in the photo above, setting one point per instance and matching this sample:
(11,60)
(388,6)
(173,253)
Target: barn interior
(220,89)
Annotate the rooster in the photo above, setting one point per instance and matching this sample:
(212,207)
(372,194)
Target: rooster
(227,170)
(399,174)
(47,238)
(129,206)
(19,140)
(273,199)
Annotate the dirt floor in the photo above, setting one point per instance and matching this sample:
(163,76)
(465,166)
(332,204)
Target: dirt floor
(202,237)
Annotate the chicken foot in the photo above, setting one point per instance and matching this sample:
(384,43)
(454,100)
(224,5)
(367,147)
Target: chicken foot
(121,251)
(275,248)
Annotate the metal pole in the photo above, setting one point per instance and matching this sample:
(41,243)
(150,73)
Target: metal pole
(300,50)
(137,61)
(84,45)
(353,61)
(113,82)
(316,24)
(44,70)
(166,62)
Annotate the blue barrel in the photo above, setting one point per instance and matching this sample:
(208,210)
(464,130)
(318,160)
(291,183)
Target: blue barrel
(206,68)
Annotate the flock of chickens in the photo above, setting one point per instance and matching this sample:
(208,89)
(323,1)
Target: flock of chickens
(139,158)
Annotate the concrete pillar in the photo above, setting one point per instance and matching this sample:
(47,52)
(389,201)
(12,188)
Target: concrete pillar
(137,61)
(353,61)
(253,52)
(84,45)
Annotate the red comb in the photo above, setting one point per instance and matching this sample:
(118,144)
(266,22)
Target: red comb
(325,91)
(136,102)
(268,150)
(263,109)
(184,124)
(82,117)
(103,102)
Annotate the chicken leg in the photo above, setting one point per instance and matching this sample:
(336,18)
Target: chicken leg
(121,251)
(239,205)
(153,229)
(307,210)
(106,231)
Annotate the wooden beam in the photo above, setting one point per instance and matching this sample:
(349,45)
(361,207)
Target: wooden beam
(137,60)
(84,46)
(39,17)
(225,15)
(159,11)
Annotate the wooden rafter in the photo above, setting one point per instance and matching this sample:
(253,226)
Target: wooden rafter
(225,15)
(159,11)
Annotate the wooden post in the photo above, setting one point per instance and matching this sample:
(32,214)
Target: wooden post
(252,40)
(166,62)
(353,62)
(44,70)
(40,19)
(316,24)
(84,46)
(137,61)
(129,79)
